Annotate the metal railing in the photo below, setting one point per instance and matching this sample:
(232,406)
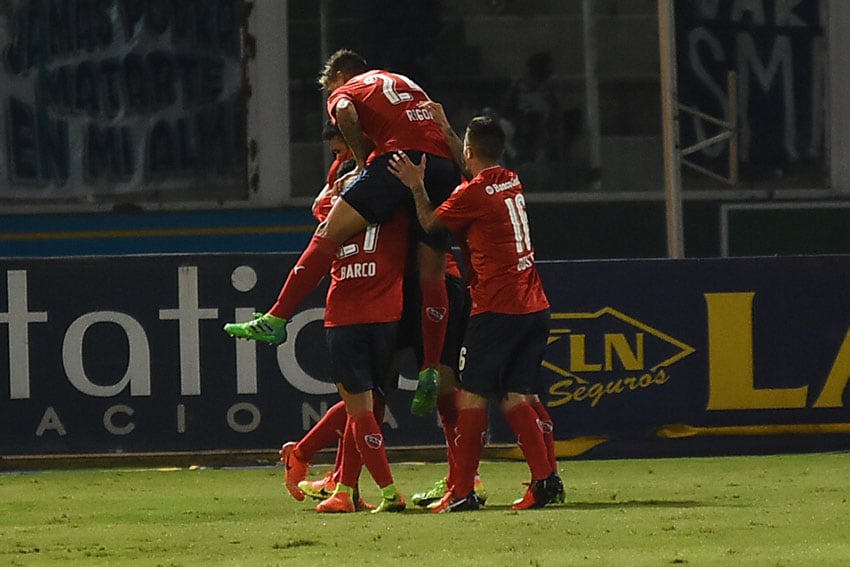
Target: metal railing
(729,127)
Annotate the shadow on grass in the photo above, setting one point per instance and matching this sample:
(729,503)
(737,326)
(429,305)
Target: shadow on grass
(651,503)
(574,506)
(614,504)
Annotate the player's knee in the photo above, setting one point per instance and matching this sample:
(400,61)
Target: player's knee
(513,399)
(342,223)
(448,381)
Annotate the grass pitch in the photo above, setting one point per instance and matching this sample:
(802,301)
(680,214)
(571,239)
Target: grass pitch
(774,510)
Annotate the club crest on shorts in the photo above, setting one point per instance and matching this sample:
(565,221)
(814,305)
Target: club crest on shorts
(374,441)
(435,314)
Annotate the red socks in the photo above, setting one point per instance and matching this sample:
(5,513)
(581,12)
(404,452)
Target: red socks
(349,470)
(471,428)
(435,319)
(349,459)
(447,409)
(370,444)
(548,428)
(327,430)
(304,277)
(523,421)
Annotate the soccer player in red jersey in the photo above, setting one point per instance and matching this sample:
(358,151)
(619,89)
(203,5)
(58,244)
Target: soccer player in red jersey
(509,321)
(363,307)
(378,112)
(296,456)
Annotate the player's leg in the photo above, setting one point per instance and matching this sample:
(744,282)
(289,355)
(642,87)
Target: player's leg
(481,360)
(523,421)
(441,177)
(344,360)
(448,401)
(360,357)
(349,462)
(520,382)
(548,428)
(410,336)
(342,223)
(469,440)
(372,198)
(449,388)
(345,496)
(328,429)
(431,264)
(449,385)
(296,457)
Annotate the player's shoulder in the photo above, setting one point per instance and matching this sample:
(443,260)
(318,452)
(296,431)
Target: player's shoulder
(497,179)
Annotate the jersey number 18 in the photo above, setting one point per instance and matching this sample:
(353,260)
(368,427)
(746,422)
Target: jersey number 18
(519,220)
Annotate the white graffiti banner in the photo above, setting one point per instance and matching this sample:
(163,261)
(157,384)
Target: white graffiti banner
(120,100)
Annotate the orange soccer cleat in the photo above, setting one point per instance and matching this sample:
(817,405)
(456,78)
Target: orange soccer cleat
(295,470)
(338,503)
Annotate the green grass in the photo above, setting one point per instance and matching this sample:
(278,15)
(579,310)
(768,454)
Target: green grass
(776,510)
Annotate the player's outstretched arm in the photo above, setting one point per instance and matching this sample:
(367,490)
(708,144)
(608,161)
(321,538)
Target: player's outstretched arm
(455,143)
(413,176)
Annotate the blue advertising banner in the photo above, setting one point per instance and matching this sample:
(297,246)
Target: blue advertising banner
(127,354)
(700,356)
(645,357)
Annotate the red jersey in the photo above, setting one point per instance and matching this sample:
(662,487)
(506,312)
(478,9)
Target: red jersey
(388,111)
(487,215)
(367,273)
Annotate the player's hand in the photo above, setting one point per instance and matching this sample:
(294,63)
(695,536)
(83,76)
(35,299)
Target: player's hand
(344,181)
(318,200)
(409,173)
(437,112)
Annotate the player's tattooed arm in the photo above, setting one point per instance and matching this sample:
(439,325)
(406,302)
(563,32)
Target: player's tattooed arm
(348,123)
(455,143)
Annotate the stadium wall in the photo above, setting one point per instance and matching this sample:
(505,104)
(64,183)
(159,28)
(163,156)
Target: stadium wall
(125,355)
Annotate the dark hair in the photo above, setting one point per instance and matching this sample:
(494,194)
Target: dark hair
(330,131)
(486,137)
(345,60)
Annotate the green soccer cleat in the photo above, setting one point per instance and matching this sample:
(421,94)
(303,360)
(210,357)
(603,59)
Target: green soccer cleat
(425,398)
(434,494)
(480,491)
(394,504)
(265,328)
(319,489)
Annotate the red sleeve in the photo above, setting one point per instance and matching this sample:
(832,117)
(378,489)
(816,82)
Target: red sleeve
(333,99)
(461,208)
